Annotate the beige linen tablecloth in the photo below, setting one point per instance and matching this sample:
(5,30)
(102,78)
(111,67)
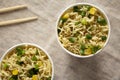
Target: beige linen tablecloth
(104,66)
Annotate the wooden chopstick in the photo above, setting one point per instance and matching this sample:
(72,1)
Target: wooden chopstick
(9,9)
(16,21)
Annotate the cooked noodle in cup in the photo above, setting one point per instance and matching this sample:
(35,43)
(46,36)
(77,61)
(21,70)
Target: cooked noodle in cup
(83,30)
(26,61)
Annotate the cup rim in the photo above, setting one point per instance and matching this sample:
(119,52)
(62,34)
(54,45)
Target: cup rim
(32,44)
(109,28)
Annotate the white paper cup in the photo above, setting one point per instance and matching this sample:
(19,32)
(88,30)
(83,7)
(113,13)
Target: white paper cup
(104,14)
(29,44)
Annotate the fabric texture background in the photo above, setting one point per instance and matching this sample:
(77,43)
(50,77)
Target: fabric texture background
(103,66)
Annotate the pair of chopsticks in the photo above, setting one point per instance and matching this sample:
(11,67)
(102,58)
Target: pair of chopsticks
(15,21)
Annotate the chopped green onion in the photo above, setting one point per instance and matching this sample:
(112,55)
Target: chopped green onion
(88,36)
(37,53)
(82,46)
(101,21)
(19,62)
(88,7)
(84,21)
(36,66)
(83,13)
(20,51)
(71,39)
(77,23)
(103,38)
(81,51)
(58,30)
(14,77)
(95,49)
(63,20)
(5,65)
(34,58)
(89,16)
(76,9)
(49,78)
(32,72)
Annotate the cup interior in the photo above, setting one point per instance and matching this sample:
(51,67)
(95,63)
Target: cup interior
(78,4)
(9,52)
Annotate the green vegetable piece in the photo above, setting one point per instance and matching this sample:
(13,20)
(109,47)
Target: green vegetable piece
(5,65)
(20,63)
(103,38)
(84,21)
(77,23)
(49,78)
(82,51)
(36,66)
(37,53)
(82,47)
(63,20)
(58,30)
(101,21)
(32,72)
(89,16)
(14,77)
(76,9)
(95,49)
(34,58)
(71,39)
(88,7)
(83,13)
(20,51)
(88,36)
